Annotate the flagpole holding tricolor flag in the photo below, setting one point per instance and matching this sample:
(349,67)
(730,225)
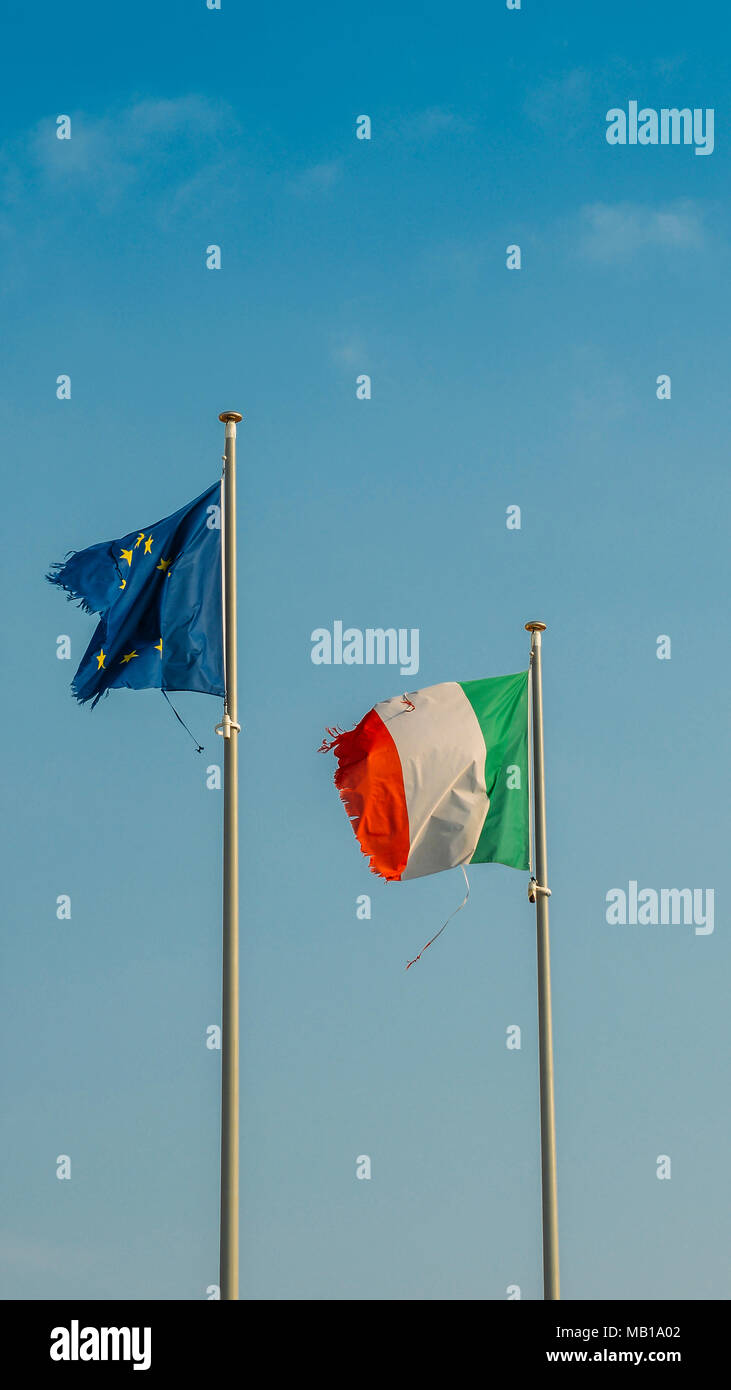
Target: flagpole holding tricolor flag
(539,893)
(230,728)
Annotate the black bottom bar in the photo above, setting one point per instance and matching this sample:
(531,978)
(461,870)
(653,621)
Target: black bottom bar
(215,1339)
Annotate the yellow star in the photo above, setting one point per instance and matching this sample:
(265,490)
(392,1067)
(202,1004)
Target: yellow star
(129,656)
(163,565)
(141,537)
(101,658)
(158,646)
(148,545)
(123,585)
(126,555)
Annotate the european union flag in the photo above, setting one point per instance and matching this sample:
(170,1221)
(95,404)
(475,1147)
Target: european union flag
(158,591)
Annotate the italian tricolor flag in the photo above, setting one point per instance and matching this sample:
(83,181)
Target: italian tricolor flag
(439,777)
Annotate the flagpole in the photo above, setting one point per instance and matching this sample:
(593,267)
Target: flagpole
(539,893)
(230,728)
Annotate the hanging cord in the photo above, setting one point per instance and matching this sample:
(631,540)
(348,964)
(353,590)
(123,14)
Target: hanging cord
(451,915)
(531,866)
(223,580)
(198,746)
(534,888)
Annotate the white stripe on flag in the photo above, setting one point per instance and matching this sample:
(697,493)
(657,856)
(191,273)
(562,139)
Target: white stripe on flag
(442,753)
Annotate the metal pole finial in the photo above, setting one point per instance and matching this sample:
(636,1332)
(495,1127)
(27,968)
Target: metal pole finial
(227,415)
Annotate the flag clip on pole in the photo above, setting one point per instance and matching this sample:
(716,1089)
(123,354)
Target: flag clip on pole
(230,728)
(539,893)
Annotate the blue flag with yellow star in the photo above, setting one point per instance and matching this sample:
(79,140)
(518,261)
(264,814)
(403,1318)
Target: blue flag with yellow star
(158,593)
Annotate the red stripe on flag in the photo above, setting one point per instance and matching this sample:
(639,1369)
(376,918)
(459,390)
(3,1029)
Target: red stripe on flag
(371,786)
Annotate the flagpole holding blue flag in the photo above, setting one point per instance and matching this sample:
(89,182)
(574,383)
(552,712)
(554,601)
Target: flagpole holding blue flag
(230,729)
(165,599)
(539,893)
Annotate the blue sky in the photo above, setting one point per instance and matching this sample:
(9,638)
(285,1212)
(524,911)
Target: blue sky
(490,388)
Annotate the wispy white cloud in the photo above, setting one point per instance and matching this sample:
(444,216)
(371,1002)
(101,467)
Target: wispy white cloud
(151,147)
(430,123)
(599,391)
(348,350)
(28,1255)
(559,100)
(452,262)
(318,178)
(668,67)
(616,231)
(414,128)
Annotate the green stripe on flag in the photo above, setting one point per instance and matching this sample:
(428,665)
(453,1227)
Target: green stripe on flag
(501,706)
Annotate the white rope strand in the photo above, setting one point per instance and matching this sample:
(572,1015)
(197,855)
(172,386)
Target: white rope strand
(451,915)
(530,767)
(223,582)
